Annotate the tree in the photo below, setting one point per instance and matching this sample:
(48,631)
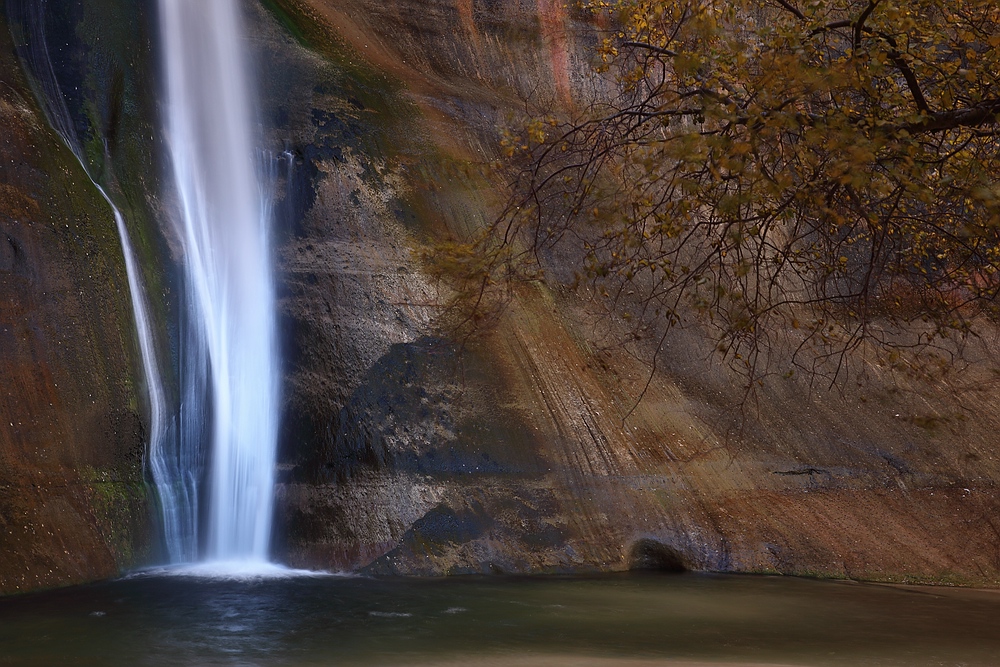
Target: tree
(824,168)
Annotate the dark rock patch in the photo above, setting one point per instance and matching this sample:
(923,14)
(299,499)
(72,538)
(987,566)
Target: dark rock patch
(650,555)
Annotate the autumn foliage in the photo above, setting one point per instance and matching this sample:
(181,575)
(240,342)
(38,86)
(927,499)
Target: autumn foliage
(825,167)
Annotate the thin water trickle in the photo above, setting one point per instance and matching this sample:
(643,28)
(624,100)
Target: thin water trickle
(223,219)
(29,16)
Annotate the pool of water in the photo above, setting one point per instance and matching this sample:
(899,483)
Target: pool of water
(631,620)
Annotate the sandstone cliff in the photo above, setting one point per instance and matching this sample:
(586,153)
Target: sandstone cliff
(72,500)
(522,453)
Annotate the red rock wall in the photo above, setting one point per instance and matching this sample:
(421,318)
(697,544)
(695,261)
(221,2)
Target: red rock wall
(72,503)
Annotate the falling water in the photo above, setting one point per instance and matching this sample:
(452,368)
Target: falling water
(223,220)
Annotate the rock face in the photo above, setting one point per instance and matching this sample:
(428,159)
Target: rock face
(406,452)
(72,500)
(524,450)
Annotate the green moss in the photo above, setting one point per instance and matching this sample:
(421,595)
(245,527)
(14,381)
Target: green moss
(378,91)
(290,24)
(941,579)
(952,579)
(120,506)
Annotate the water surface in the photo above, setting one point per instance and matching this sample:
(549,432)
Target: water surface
(631,620)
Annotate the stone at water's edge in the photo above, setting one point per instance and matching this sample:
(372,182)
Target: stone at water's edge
(72,502)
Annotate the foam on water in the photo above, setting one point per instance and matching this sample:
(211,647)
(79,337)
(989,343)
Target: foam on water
(237,570)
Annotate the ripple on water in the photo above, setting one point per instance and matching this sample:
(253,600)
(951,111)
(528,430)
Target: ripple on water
(390,614)
(178,617)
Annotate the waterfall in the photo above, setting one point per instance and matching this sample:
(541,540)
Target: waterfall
(223,219)
(228,369)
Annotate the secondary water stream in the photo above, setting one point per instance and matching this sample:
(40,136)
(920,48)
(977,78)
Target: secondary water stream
(180,517)
(621,620)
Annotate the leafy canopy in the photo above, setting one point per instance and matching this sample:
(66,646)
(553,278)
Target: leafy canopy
(827,167)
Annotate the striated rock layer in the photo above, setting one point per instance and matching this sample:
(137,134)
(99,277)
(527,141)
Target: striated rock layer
(521,452)
(72,500)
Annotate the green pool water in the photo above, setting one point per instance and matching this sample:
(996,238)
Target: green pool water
(627,620)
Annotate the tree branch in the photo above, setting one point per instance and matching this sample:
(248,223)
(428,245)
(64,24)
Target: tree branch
(831,26)
(651,47)
(859,25)
(911,79)
(984,113)
(894,54)
(792,8)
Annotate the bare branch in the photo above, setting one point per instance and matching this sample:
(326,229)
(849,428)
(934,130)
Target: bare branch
(651,47)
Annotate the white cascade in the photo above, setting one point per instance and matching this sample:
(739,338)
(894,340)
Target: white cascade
(223,219)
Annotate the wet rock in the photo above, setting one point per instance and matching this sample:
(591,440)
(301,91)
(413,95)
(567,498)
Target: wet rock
(73,504)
